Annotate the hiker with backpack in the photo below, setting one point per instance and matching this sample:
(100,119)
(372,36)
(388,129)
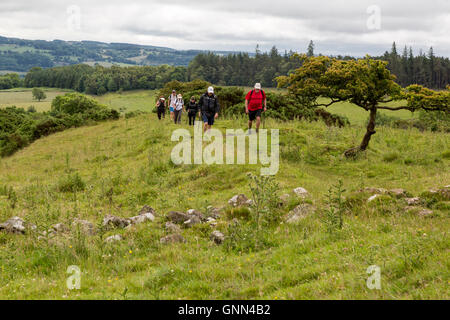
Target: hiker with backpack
(178,109)
(255,105)
(209,108)
(172,100)
(192,109)
(161,107)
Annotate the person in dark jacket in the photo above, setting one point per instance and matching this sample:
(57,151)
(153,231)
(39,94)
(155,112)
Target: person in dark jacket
(209,108)
(161,107)
(192,109)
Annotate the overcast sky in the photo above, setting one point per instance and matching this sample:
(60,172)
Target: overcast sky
(336,26)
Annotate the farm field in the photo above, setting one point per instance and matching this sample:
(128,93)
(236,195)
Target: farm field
(125,164)
(23,98)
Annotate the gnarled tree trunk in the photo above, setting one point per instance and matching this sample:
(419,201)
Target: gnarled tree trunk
(370,129)
(370,132)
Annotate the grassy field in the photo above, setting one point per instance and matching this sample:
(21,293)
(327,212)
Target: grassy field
(143,100)
(23,98)
(126,164)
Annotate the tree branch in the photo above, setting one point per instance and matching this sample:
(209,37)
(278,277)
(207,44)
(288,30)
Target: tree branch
(326,105)
(395,108)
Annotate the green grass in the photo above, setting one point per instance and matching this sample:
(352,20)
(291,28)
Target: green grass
(130,159)
(23,98)
(143,100)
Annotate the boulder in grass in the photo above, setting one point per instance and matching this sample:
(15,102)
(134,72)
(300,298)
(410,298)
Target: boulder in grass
(373,198)
(112,222)
(192,222)
(238,200)
(60,228)
(218,237)
(413,201)
(374,191)
(173,238)
(147,209)
(301,192)
(142,218)
(398,193)
(115,238)
(196,213)
(14,225)
(300,212)
(425,213)
(178,217)
(172,228)
(85,226)
(214,212)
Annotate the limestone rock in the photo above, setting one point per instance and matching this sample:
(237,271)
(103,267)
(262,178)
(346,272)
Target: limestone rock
(142,218)
(238,200)
(425,212)
(172,228)
(301,192)
(112,222)
(115,238)
(374,191)
(177,217)
(85,226)
(192,222)
(14,225)
(300,212)
(173,238)
(413,201)
(399,193)
(218,237)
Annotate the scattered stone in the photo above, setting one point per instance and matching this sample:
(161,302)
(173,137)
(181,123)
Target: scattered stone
(218,237)
(142,218)
(249,203)
(374,190)
(172,228)
(214,212)
(238,200)
(112,222)
(399,193)
(196,213)
(413,201)
(301,192)
(425,212)
(85,226)
(373,198)
(300,212)
(178,217)
(192,222)
(147,209)
(173,238)
(14,225)
(60,228)
(115,238)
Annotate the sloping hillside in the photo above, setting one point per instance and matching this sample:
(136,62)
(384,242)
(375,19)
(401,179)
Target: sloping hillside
(118,167)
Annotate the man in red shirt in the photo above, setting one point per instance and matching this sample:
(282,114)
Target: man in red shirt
(255,101)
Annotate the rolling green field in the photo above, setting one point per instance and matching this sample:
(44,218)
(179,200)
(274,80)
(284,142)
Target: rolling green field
(23,98)
(126,164)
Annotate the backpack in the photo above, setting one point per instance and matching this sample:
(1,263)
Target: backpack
(263,94)
(210,108)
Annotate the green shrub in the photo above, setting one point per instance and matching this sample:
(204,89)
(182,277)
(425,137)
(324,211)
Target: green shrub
(71,183)
(391,156)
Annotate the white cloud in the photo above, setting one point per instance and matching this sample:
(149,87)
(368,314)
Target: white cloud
(337,26)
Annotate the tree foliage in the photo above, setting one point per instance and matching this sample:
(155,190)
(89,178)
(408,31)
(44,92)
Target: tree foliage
(366,83)
(38,94)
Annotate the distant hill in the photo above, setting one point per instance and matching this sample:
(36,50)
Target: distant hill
(20,55)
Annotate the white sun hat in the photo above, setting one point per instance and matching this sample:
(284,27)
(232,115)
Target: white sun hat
(258,86)
(210,90)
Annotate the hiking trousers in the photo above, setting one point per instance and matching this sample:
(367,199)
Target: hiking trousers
(161,113)
(178,116)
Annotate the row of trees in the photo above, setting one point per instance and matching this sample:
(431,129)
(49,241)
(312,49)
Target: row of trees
(10,80)
(100,80)
(243,70)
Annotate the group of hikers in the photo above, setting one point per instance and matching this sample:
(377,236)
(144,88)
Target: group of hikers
(208,108)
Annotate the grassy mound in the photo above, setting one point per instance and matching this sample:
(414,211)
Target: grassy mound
(118,167)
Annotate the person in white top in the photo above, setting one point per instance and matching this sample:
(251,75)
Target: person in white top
(172,100)
(179,107)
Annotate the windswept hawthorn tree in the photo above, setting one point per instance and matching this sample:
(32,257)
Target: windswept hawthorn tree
(366,83)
